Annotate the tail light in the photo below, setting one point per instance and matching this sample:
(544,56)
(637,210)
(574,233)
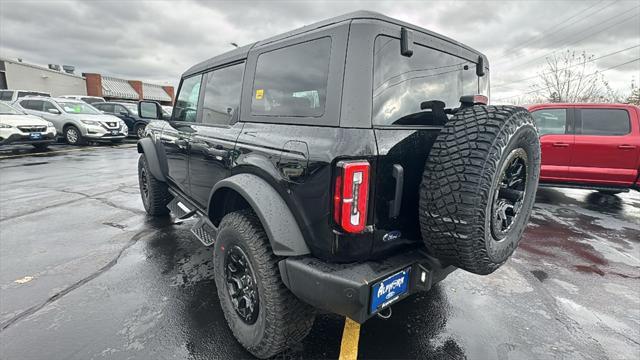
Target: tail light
(351,195)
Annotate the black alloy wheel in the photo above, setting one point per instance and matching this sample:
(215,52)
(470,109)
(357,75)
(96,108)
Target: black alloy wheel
(510,193)
(242,285)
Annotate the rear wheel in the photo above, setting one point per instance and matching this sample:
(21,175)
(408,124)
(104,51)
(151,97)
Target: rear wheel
(264,316)
(140,131)
(155,194)
(479,186)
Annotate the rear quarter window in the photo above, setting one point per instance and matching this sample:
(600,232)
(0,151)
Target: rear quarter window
(6,95)
(292,81)
(606,122)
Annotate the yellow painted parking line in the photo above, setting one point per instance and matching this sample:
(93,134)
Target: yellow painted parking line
(61,151)
(350,338)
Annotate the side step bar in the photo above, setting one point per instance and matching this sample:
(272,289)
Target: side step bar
(204,230)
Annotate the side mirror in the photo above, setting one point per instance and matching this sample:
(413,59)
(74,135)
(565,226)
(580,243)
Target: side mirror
(54,111)
(149,110)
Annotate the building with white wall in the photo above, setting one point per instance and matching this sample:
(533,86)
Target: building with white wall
(22,76)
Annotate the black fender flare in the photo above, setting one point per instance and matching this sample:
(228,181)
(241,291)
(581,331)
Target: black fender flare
(148,148)
(277,219)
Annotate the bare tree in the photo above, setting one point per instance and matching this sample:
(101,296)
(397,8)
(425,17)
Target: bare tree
(571,77)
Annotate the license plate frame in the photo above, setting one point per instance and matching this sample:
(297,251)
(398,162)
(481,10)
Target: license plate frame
(390,289)
(114,132)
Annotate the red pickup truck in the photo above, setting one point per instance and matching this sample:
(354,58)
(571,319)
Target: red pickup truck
(590,146)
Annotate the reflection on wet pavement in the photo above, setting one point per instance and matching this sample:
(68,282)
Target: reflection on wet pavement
(109,282)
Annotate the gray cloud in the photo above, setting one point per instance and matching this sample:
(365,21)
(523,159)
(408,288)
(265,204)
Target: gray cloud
(158,40)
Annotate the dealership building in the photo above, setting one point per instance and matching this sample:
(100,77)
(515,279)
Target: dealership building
(56,80)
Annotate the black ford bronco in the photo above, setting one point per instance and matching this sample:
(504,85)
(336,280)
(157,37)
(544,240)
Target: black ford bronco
(342,166)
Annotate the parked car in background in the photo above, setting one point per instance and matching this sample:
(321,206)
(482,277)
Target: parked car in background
(86,98)
(77,121)
(10,96)
(591,146)
(127,112)
(17,127)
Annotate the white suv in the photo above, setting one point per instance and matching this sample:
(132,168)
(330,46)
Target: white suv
(76,120)
(16,127)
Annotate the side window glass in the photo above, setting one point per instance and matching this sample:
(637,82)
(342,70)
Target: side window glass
(47,105)
(26,104)
(550,121)
(186,105)
(222,94)
(118,109)
(32,104)
(607,122)
(292,81)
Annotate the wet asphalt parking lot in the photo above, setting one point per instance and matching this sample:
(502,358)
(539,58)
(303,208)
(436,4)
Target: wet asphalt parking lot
(85,274)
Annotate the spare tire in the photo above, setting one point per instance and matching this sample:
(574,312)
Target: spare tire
(479,186)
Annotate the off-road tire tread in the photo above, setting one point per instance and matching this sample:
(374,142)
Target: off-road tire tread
(457,180)
(159,196)
(288,319)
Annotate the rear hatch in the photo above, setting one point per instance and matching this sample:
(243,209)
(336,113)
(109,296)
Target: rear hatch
(404,133)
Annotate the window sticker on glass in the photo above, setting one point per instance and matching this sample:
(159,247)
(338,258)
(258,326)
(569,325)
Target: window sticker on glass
(259,94)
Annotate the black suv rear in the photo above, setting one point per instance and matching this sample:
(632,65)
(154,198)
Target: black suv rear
(341,166)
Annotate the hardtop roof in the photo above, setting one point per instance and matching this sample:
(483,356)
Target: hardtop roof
(242,52)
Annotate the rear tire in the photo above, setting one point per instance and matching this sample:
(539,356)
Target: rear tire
(140,131)
(479,187)
(279,319)
(155,194)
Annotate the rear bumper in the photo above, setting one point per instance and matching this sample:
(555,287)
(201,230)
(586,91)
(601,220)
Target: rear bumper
(345,289)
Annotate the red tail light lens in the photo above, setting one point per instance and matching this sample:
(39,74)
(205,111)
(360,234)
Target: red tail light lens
(351,195)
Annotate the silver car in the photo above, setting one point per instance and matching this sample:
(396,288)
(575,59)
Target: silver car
(75,120)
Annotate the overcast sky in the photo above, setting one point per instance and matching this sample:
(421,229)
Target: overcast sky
(157,40)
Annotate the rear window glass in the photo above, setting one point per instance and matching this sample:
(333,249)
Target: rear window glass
(605,122)
(31,93)
(6,95)
(292,81)
(91,100)
(401,83)
(550,121)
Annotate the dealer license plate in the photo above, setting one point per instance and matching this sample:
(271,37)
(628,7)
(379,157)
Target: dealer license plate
(114,132)
(35,136)
(389,290)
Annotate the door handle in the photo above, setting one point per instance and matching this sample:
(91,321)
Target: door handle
(626,147)
(563,145)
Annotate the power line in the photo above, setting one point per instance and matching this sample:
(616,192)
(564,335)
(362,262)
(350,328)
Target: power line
(568,67)
(546,33)
(587,76)
(618,23)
